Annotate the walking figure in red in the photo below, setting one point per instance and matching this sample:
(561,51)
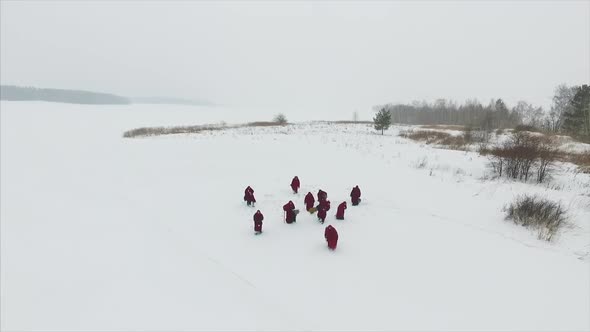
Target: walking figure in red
(258,217)
(322,208)
(355,196)
(322,196)
(331,236)
(340,211)
(295,184)
(290,212)
(249,196)
(309,202)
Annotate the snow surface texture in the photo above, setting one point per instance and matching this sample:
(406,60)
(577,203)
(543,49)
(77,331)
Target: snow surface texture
(100,232)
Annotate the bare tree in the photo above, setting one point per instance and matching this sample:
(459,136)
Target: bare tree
(530,115)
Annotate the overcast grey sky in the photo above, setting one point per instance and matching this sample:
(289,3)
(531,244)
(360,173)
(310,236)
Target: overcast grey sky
(329,54)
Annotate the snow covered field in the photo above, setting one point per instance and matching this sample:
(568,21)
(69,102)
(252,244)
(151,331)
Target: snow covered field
(99,232)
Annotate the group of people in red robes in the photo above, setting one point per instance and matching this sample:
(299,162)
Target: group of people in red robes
(330,233)
(323,205)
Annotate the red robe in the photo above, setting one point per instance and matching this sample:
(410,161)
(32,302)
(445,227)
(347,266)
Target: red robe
(355,195)
(309,201)
(295,184)
(322,196)
(324,205)
(340,211)
(290,213)
(331,236)
(258,217)
(249,195)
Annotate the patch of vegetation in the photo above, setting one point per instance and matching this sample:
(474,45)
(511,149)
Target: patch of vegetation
(280,119)
(544,216)
(455,142)
(158,131)
(522,156)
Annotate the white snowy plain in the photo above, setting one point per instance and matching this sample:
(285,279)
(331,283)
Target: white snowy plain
(101,232)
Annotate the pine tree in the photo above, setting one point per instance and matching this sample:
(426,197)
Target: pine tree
(577,118)
(382,120)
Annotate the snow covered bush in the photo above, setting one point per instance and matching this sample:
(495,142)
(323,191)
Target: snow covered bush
(540,214)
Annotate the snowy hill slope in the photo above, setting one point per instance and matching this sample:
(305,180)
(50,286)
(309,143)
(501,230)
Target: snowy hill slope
(105,233)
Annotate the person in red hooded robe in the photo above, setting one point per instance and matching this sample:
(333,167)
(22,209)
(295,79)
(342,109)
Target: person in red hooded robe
(309,202)
(322,196)
(340,211)
(249,196)
(331,236)
(322,208)
(295,184)
(290,212)
(258,217)
(355,196)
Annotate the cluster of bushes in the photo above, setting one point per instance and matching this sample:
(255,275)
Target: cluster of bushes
(455,142)
(434,137)
(523,155)
(544,216)
(156,131)
(279,120)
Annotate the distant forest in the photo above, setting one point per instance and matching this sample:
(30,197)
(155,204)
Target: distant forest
(17,93)
(569,113)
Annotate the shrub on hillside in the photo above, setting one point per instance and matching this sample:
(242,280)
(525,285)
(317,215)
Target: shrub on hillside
(468,137)
(456,142)
(522,156)
(542,215)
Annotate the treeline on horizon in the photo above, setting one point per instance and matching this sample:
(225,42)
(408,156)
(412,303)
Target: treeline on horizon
(569,113)
(18,93)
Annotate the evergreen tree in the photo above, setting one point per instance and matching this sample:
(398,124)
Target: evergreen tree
(577,118)
(382,120)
